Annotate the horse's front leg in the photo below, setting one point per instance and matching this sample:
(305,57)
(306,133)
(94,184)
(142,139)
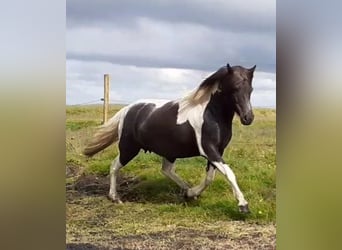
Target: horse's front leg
(216,160)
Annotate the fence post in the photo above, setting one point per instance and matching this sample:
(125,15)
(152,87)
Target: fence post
(106,98)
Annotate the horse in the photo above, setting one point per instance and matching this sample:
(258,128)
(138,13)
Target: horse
(199,124)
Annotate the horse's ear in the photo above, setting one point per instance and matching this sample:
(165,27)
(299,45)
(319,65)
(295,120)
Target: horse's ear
(229,68)
(252,69)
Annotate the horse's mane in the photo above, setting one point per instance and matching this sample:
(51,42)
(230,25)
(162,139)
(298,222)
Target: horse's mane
(203,92)
(208,87)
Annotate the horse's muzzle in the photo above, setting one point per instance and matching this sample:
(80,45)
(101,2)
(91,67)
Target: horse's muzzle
(247,119)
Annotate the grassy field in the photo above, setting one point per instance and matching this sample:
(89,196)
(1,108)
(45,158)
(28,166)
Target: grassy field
(154,214)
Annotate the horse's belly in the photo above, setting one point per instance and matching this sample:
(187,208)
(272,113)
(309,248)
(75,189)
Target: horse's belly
(176,147)
(172,141)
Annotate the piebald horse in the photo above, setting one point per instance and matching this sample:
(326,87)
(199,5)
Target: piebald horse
(200,124)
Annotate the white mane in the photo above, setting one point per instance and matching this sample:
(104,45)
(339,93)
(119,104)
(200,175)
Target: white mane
(195,102)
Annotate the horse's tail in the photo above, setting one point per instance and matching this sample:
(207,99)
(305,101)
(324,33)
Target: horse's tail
(107,134)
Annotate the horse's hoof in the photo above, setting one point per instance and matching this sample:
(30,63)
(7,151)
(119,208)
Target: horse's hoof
(189,195)
(244,209)
(114,199)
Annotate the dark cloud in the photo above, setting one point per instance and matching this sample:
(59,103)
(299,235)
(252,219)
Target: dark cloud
(248,16)
(185,34)
(145,45)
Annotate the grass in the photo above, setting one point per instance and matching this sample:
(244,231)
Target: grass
(153,204)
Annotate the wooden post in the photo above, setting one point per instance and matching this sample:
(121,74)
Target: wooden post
(106,98)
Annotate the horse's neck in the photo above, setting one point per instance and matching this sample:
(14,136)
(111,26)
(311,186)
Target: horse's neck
(222,109)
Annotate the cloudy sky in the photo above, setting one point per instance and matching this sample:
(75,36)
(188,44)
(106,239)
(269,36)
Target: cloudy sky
(165,48)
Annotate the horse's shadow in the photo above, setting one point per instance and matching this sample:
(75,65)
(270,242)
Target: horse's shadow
(158,190)
(130,189)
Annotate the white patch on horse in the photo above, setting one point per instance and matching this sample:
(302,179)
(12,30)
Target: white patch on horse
(193,114)
(122,114)
(192,107)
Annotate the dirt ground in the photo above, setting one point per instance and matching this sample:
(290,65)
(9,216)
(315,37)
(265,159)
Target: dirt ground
(252,238)
(237,234)
(184,239)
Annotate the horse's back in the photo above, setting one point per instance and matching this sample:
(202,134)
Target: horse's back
(154,127)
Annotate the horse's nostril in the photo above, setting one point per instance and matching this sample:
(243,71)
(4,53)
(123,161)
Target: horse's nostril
(247,118)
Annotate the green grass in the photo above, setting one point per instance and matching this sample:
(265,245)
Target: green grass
(76,125)
(154,200)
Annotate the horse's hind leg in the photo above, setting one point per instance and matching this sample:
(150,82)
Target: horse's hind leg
(126,155)
(197,190)
(114,169)
(168,169)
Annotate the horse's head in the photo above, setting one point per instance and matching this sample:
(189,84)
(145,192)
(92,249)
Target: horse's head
(237,83)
